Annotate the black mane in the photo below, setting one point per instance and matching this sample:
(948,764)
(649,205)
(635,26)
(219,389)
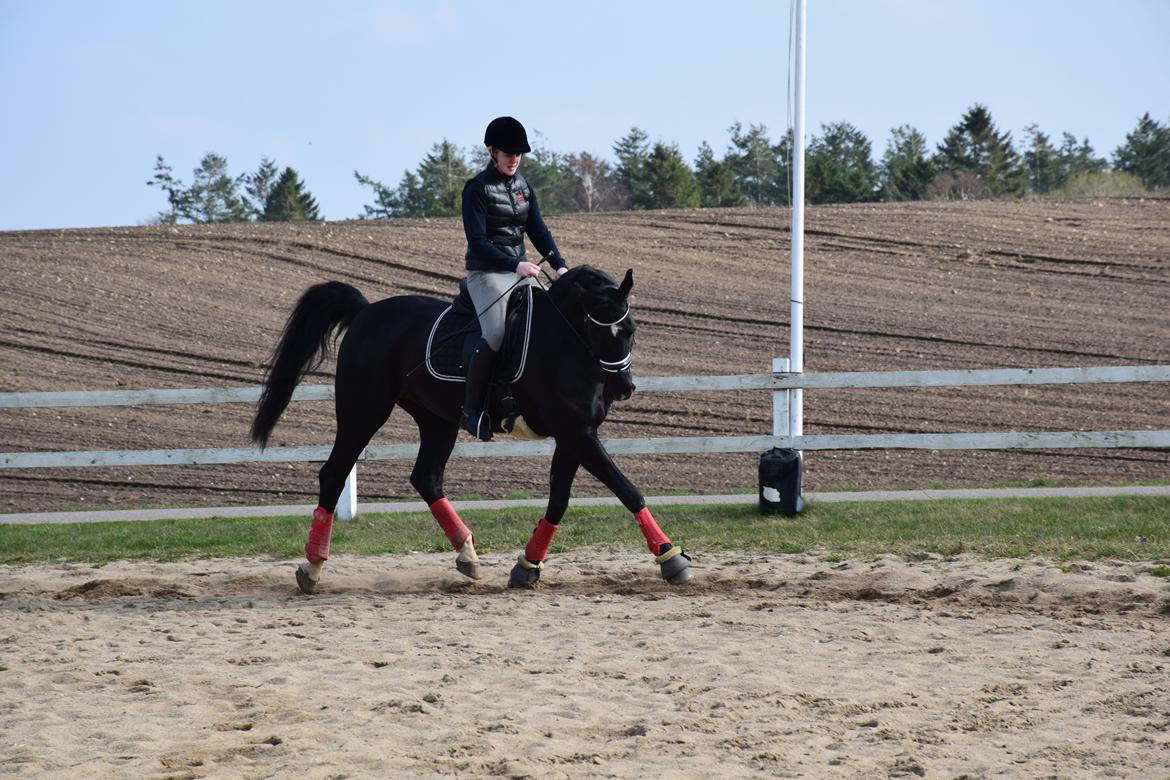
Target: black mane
(585,275)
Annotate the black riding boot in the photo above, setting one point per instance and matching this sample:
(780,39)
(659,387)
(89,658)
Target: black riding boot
(479,372)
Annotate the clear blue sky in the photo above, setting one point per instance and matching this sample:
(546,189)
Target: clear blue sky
(93,91)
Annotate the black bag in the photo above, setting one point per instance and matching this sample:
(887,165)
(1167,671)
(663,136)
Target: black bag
(780,482)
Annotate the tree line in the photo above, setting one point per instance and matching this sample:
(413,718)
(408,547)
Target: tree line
(215,196)
(974,160)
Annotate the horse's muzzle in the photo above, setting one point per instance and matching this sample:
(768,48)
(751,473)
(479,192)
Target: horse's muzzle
(625,386)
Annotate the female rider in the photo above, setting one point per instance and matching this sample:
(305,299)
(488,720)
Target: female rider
(499,207)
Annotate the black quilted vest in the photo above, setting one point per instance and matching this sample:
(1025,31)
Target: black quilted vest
(507,210)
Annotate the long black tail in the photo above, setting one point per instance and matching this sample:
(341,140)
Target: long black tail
(323,312)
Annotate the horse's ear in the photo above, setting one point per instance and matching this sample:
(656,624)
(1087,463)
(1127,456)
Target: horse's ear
(627,283)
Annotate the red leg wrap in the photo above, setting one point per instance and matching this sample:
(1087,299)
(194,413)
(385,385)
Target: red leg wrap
(537,549)
(449,521)
(654,536)
(317,549)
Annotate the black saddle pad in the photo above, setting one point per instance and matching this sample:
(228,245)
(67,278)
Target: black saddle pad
(456,331)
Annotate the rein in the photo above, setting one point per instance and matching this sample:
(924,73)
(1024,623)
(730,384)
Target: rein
(609,366)
(469,327)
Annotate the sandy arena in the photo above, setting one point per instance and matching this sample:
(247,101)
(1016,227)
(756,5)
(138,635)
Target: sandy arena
(780,666)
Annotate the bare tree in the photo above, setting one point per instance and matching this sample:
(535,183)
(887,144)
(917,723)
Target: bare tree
(598,188)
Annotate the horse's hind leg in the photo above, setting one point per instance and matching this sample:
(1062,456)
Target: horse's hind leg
(526,572)
(362,408)
(436,440)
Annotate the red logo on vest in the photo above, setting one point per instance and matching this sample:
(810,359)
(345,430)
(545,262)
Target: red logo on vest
(520,198)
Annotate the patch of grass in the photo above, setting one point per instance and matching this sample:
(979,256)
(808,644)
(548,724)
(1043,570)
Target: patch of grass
(1160,571)
(1058,528)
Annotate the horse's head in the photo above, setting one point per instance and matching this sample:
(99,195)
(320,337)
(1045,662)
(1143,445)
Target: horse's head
(608,326)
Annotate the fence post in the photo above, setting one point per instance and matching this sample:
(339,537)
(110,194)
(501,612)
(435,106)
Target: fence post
(347,505)
(781,401)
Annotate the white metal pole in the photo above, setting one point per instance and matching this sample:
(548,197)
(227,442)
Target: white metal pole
(796,328)
(781,401)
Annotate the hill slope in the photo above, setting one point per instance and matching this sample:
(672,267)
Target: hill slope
(888,287)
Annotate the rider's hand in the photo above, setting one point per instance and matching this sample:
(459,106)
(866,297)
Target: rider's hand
(561,272)
(525,268)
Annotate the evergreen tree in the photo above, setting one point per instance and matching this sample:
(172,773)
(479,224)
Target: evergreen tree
(1042,163)
(839,167)
(385,199)
(413,199)
(289,201)
(633,153)
(1049,168)
(716,181)
(1079,158)
(760,168)
(258,186)
(177,196)
(441,177)
(214,196)
(435,190)
(975,146)
(548,173)
(670,183)
(1146,153)
(905,170)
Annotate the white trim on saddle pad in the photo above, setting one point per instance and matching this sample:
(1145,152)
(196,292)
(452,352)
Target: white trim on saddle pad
(523,352)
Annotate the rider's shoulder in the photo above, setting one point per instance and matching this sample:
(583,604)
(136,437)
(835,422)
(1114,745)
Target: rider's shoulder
(474,186)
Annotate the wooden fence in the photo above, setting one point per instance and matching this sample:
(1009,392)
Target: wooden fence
(779,383)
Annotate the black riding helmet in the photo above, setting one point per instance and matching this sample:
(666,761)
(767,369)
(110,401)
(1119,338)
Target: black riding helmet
(507,135)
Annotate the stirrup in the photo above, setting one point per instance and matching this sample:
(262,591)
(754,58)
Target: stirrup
(481,428)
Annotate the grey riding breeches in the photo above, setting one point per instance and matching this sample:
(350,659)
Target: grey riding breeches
(486,287)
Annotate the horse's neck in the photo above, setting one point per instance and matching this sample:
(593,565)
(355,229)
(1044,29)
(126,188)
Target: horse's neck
(561,325)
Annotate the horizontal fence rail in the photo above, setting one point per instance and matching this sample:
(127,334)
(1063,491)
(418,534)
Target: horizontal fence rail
(670,445)
(776,381)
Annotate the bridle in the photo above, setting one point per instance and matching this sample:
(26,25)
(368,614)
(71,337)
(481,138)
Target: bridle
(609,366)
(613,366)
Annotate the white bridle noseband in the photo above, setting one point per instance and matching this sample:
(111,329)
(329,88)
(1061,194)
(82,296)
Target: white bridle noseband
(614,366)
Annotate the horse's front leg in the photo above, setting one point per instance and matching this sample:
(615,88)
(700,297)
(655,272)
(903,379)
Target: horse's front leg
(526,572)
(436,441)
(673,563)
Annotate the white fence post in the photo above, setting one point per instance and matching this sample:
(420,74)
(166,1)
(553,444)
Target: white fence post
(347,506)
(781,401)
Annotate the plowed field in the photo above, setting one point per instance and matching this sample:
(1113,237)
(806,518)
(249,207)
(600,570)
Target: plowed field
(888,287)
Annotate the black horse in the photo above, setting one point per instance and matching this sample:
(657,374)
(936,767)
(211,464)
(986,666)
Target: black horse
(577,364)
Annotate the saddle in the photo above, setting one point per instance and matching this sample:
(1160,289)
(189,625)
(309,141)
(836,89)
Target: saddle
(454,335)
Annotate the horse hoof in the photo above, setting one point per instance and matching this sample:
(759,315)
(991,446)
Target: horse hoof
(525,574)
(675,566)
(307,585)
(467,562)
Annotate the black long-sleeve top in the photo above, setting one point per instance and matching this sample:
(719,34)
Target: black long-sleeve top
(482,254)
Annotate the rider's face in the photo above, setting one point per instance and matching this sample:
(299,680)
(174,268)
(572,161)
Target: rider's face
(506,162)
